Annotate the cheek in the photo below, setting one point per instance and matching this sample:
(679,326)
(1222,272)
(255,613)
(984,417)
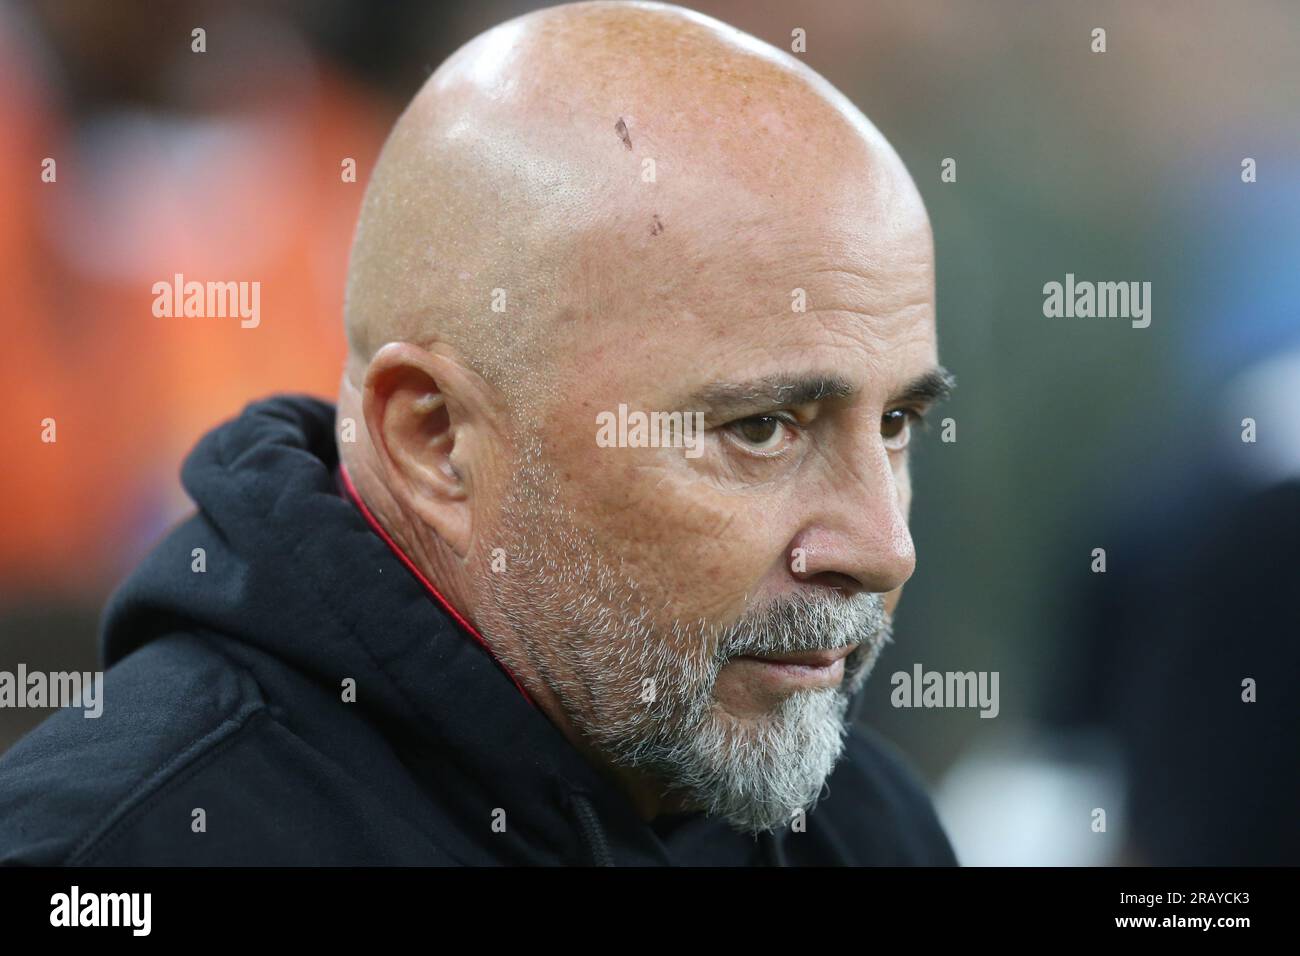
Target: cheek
(691,551)
(903,485)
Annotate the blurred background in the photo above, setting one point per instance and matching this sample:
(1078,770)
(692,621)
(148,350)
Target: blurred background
(1119,691)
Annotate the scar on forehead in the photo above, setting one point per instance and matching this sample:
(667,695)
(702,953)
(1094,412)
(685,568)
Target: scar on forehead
(621,128)
(656,227)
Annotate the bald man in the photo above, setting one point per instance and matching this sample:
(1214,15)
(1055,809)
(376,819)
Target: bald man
(604,537)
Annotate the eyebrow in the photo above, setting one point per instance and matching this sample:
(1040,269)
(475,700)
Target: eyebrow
(930,387)
(720,399)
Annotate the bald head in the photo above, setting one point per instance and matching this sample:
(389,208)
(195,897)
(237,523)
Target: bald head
(571,168)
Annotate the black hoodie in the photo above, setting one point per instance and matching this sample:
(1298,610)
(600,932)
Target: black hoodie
(228,735)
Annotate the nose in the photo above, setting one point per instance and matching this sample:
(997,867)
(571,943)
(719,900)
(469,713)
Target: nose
(858,539)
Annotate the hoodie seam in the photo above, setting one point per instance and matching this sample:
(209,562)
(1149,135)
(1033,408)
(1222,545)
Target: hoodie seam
(162,779)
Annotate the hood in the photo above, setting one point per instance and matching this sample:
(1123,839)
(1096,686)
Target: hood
(295,576)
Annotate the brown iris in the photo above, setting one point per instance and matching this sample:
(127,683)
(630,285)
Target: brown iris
(893,423)
(759,429)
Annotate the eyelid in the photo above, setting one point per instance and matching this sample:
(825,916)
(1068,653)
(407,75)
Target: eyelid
(916,415)
(787,417)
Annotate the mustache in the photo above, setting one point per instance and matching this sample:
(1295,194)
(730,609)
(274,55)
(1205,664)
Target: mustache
(807,623)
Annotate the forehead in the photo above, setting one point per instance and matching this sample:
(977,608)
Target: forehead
(833,286)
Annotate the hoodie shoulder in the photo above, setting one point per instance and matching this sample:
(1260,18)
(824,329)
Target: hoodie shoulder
(67,786)
(875,810)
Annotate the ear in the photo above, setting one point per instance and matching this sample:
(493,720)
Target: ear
(422,425)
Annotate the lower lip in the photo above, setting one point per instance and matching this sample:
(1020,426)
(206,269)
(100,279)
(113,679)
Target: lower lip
(794,676)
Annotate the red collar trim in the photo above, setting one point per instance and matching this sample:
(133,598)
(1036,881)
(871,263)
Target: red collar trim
(419,576)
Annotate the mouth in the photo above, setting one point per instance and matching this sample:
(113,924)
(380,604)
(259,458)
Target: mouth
(797,670)
(808,658)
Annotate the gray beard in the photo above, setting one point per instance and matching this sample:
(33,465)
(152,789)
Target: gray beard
(643,695)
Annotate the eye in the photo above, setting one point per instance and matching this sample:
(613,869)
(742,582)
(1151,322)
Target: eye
(896,427)
(763,433)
